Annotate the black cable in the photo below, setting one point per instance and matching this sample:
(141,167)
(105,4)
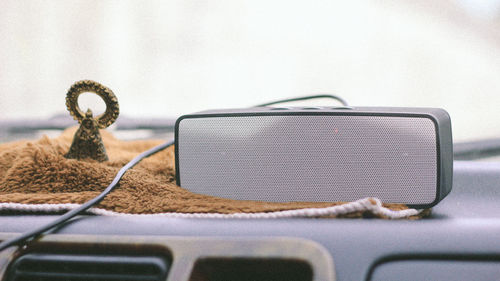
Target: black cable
(69,215)
(337,98)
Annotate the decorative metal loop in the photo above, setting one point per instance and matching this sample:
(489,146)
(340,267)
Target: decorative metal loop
(87,142)
(109,98)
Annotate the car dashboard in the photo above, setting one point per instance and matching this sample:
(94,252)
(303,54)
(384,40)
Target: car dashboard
(458,241)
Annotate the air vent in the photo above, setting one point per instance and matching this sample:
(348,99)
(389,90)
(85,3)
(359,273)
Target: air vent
(45,267)
(251,269)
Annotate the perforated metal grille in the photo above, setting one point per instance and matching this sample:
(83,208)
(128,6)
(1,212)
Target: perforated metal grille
(310,158)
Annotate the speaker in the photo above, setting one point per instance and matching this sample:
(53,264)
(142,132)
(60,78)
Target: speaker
(321,154)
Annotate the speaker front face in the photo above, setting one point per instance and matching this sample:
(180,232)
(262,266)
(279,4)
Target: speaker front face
(324,158)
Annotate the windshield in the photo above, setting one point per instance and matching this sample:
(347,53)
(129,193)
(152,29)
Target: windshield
(167,58)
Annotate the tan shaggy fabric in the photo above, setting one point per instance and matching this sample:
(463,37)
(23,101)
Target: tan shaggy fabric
(34,172)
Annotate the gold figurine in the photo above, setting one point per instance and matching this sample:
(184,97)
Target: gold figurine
(87,142)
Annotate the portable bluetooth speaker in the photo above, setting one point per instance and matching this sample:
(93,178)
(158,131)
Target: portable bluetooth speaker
(324,154)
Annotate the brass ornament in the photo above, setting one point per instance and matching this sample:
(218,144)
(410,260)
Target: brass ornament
(87,142)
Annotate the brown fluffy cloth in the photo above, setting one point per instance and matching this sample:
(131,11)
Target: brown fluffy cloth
(35,172)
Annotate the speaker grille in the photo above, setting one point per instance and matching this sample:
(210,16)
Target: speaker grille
(309,158)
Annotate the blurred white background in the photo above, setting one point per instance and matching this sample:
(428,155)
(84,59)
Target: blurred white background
(166,58)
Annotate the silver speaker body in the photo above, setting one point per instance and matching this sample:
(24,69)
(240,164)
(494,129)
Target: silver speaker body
(399,155)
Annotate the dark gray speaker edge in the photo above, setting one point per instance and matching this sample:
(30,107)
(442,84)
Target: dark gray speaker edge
(445,140)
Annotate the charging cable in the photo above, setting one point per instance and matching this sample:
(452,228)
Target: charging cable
(30,235)
(75,212)
(337,98)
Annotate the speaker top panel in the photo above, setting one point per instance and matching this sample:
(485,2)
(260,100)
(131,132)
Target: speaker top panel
(400,155)
(433,113)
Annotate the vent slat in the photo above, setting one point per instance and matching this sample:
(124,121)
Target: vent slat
(42,267)
(42,276)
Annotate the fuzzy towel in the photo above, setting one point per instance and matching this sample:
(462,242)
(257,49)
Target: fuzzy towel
(36,172)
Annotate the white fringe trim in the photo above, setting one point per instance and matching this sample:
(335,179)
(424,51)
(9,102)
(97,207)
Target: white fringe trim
(351,207)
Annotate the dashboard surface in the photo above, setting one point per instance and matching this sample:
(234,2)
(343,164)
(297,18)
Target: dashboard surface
(465,226)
